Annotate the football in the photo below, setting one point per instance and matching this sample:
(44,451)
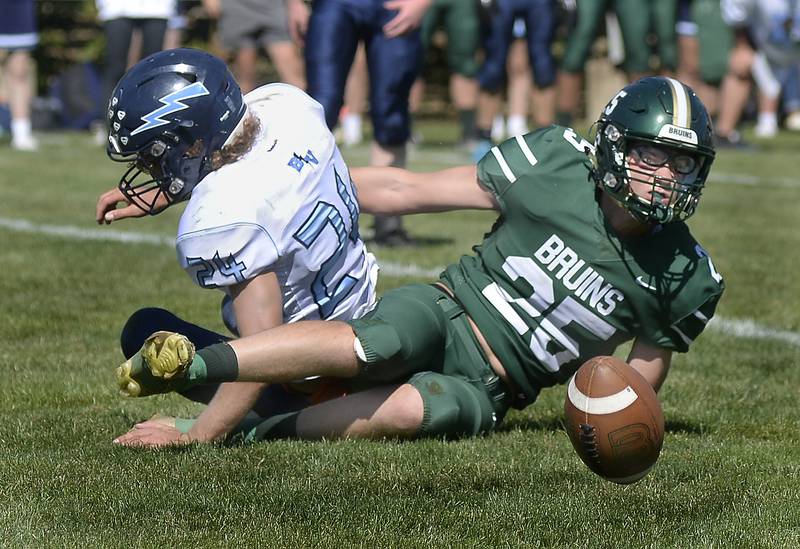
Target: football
(614,419)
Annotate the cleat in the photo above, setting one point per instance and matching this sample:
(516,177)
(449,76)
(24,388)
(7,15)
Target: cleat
(158,367)
(167,354)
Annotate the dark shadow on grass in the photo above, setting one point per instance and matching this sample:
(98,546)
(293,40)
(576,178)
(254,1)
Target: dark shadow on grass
(688,427)
(416,242)
(556,423)
(547,423)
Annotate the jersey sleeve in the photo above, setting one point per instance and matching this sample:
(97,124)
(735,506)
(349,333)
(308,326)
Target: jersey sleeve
(687,329)
(507,162)
(225,256)
(693,309)
(535,165)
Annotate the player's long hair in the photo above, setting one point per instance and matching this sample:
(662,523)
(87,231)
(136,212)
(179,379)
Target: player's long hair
(234,150)
(240,145)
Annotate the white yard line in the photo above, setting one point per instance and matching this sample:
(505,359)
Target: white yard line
(741,328)
(755,180)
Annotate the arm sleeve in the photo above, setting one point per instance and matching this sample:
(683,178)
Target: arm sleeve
(686,330)
(506,163)
(228,255)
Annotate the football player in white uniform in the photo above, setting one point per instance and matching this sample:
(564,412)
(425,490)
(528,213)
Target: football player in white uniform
(271,219)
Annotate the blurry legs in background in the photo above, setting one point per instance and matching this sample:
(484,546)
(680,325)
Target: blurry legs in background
(355,100)
(18,71)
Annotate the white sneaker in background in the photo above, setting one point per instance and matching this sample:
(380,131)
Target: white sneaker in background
(793,121)
(766,129)
(21,137)
(767,125)
(24,143)
(99,133)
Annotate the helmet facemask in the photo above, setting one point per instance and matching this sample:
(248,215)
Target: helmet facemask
(161,170)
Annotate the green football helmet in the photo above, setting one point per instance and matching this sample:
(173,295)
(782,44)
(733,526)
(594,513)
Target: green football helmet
(664,116)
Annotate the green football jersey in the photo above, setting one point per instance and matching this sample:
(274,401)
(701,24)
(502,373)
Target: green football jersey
(552,285)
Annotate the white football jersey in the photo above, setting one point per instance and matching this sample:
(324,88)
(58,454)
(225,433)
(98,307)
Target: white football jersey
(288,207)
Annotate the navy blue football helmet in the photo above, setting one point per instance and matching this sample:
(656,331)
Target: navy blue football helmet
(167,116)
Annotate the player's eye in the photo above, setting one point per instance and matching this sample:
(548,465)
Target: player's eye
(652,156)
(683,163)
(657,157)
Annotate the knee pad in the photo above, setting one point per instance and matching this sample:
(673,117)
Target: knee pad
(453,406)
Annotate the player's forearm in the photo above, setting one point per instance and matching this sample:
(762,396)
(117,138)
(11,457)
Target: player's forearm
(384,190)
(651,362)
(395,191)
(226,410)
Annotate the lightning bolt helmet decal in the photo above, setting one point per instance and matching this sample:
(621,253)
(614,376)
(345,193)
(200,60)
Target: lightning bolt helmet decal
(172,103)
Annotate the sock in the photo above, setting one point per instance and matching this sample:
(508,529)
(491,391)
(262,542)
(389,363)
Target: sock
(352,131)
(280,426)
(484,134)
(768,119)
(517,124)
(21,128)
(214,364)
(563,118)
(498,128)
(467,118)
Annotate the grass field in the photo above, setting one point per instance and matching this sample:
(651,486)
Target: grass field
(728,477)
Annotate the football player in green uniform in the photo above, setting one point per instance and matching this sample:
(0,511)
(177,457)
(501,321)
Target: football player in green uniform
(590,250)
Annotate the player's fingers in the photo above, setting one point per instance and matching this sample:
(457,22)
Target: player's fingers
(107,202)
(395,27)
(147,435)
(126,438)
(121,213)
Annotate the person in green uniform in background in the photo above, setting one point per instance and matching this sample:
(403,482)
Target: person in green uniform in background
(590,250)
(460,23)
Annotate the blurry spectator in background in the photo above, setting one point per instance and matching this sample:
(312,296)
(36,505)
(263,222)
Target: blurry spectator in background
(513,120)
(176,25)
(246,25)
(355,100)
(767,47)
(704,41)
(634,22)
(18,36)
(459,19)
(390,32)
(536,20)
(664,15)
(120,18)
